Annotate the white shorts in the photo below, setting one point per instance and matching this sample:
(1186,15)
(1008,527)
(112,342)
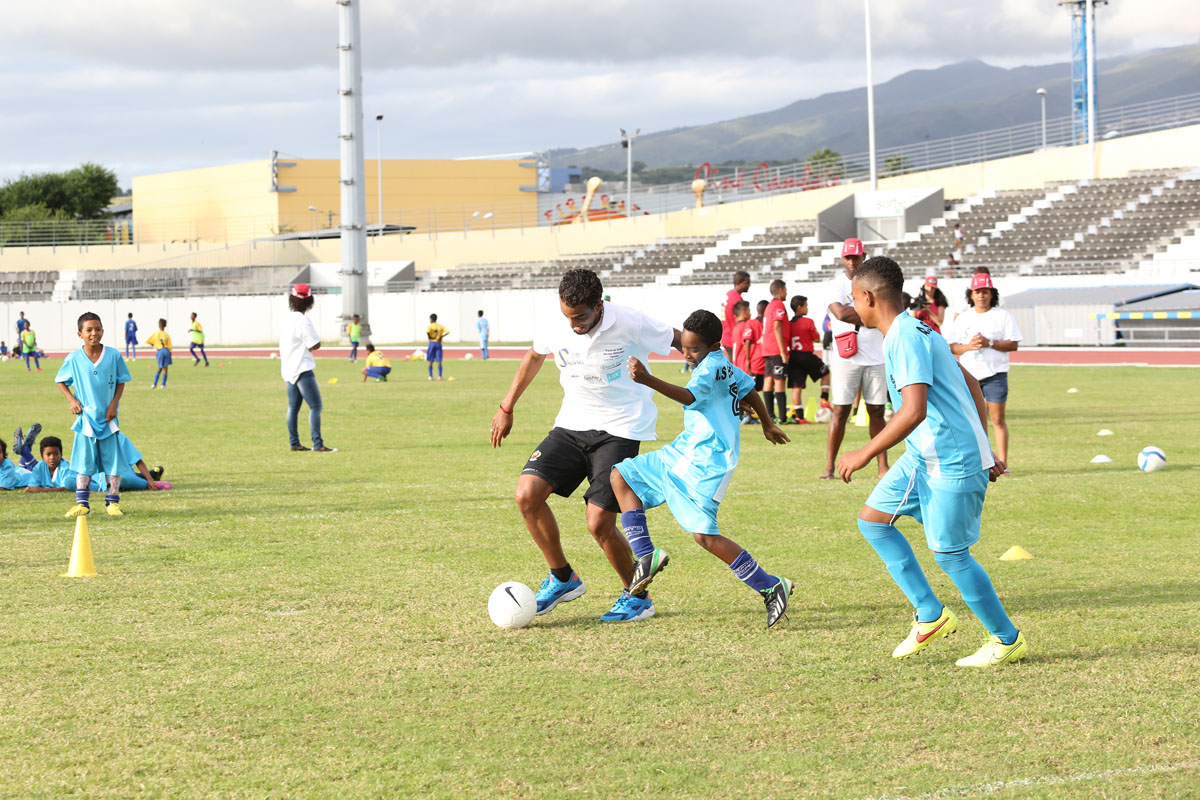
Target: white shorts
(845,379)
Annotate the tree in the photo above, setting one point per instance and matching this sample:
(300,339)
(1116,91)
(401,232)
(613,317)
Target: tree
(896,165)
(826,164)
(80,193)
(638,166)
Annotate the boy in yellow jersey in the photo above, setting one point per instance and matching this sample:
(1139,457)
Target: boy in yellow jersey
(436,334)
(197,332)
(160,340)
(378,366)
(29,348)
(355,331)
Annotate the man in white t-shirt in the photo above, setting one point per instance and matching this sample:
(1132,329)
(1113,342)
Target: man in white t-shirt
(603,419)
(848,373)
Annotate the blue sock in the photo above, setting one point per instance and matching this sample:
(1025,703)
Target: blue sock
(431,369)
(978,592)
(82,496)
(164,380)
(27,460)
(750,573)
(439,369)
(897,555)
(156,378)
(634,523)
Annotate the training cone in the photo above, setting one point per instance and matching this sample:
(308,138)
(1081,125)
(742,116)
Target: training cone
(860,420)
(81,565)
(332,380)
(1015,553)
(810,409)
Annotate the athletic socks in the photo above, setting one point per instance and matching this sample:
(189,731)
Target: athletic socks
(155,380)
(439,369)
(82,489)
(114,490)
(750,573)
(781,401)
(825,395)
(562,573)
(634,524)
(898,556)
(978,592)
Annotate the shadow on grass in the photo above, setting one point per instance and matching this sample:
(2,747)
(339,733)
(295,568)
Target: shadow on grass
(1110,596)
(596,622)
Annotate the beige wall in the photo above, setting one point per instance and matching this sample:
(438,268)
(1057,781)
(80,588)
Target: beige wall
(228,203)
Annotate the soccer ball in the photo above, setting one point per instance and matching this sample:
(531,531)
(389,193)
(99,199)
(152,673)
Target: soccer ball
(512,605)
(3,358)
(824,415)
(468,356)
(274,355)
(1152,459)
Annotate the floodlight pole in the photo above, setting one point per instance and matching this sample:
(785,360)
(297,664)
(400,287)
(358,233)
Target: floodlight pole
(353,192)
(870,100)
(1042,94)
(1091,87)
(628,138)
(379,170)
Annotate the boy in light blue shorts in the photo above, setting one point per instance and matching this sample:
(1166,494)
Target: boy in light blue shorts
(692,473)
(98,376)
(942,478)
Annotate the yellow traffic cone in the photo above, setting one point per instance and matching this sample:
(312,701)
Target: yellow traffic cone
(810,409)
(81,565)
(1015,553)
(860,421)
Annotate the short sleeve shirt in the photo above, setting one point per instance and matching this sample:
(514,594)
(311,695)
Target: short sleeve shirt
(436,332)
(950,442)
(13,477)
(732,297)
(296,338)
(159,340)
(804,334)
(776,312)
(598,393)
(995,324)
(754,334)
(130,327)
(742,333)
(94,385)
(197,331)
(870,340)
(481,325)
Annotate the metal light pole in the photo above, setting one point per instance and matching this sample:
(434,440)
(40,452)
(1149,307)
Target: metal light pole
(870,100)
(1042,93)
(379,169)
(353,223)
(627,143)
(1091,87)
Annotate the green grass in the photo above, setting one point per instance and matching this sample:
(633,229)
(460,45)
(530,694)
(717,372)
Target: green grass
(299,625)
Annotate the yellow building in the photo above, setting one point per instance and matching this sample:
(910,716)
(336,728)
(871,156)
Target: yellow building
(260,199)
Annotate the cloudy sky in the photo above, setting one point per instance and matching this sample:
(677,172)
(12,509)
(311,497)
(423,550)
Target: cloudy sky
(146,86)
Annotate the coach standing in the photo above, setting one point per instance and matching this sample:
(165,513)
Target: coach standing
(856,361)
(603,419)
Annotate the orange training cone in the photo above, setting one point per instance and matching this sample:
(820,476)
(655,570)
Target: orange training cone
(81,565)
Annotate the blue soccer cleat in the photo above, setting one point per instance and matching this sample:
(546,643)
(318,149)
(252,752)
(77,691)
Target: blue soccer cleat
(629,609)
(553,591)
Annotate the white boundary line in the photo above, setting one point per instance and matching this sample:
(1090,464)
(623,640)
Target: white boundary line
(1046,780)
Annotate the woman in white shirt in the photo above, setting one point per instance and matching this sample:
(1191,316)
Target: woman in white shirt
(297,341)
(982,337)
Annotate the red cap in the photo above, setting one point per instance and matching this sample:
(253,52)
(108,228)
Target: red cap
(981,280)
(852,247)
(931,280)
(301,290)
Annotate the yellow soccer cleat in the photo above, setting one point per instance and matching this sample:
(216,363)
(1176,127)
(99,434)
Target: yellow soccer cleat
(113,510)
(78,511)
(924,634)
(996,652)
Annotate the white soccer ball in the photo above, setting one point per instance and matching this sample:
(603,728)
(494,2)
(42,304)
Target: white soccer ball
(824,415)
(1152,459)
(468,356)
(274,355)
(512,605)
(3,358)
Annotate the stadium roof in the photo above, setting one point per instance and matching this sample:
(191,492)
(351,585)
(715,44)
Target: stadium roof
(1186,300)
(1093,295)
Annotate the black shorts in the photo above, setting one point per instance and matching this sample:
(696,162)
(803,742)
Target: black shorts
(827,340)
(775,366)
(758,382)
(565,458)
(802,363)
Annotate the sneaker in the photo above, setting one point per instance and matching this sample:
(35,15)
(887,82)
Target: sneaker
(996,652)
(113,510)
(646,568)
(299,447)
(78,510)
(157,472)
(18,441)
(629,609)
(804,421)
(553,591)
(324,449)
(32,434)
(924,634)
(776,599)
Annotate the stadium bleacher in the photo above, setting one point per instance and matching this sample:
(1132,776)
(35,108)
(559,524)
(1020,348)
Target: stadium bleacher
(28,286)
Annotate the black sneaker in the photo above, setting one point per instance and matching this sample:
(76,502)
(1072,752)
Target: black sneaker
(18,441)
(157,472)
(32,434)
(776,599)
(297,447)
(323,449)
(646,568)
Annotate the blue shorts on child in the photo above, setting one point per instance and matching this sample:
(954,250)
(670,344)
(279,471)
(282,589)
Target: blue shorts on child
(949,508)
(90,455)
(665,476)
(163,357)
(378,372)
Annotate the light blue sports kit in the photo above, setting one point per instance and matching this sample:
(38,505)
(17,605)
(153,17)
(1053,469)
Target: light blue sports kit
(13,477)
(692,473)
(94,384)
(940,481)
(63,477)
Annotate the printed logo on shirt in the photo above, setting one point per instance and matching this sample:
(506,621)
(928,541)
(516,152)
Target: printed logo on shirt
(536,455)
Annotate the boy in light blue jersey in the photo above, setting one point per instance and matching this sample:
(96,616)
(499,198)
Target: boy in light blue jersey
(692,473)
(12,476)
(484,329)
(942,478)
(53,473)
(98,375)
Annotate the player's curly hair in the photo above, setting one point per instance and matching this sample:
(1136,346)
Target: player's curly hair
(580,287)
(881,275)
(995,298)
(704,324)
(301,304)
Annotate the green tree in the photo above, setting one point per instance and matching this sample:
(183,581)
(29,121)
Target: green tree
(896,165)
(826,163)
(80,193)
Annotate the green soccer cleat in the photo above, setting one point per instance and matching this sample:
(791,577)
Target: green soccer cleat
(995,652)
(924,634)
(646,568)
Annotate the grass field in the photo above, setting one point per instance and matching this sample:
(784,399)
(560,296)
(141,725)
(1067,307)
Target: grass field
(302,625)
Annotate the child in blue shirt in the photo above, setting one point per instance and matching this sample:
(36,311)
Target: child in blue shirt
(98,376)
(130,337)
(942,478)
(692,473)
(12,476)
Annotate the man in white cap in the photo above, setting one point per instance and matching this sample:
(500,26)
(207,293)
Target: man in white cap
(855,363)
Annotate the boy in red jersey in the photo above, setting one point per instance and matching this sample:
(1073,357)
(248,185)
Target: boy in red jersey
(743,341)
(741,284)
(802,361)
(775,351)
(758,364)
